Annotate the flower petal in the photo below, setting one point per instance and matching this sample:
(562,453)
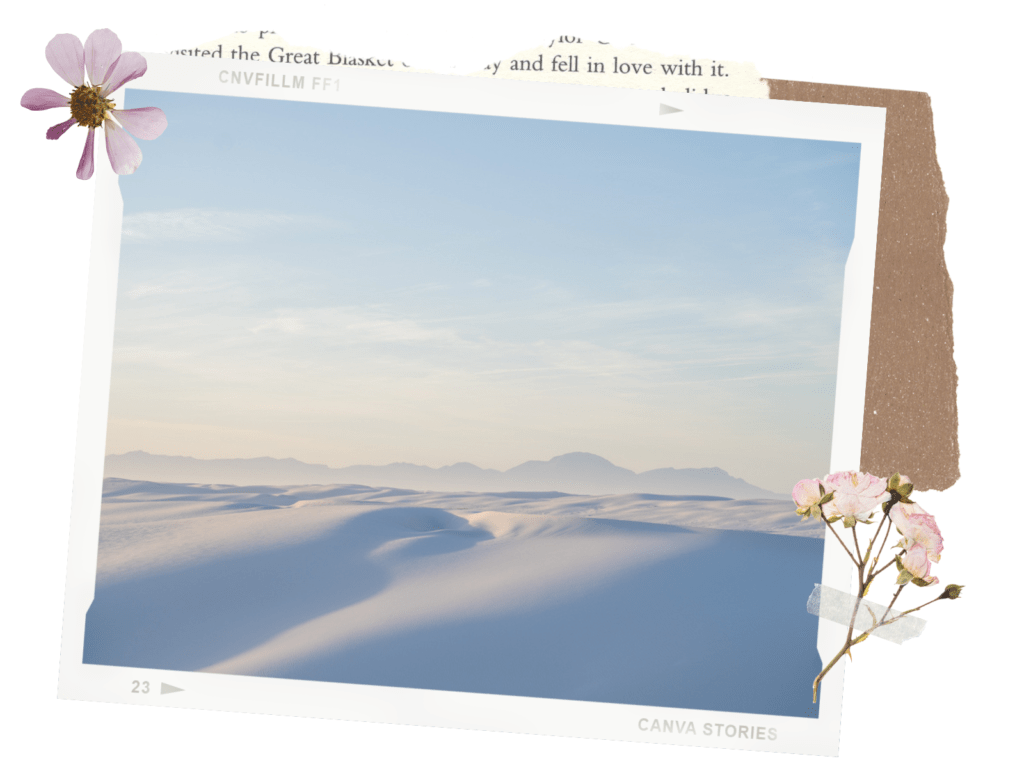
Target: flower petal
(806,493)
(918,527)
(855,493)
(67,58)
(102,49)
(43,98)
(926,532)
(916,561)
(900,515)
(128,66)
(863,515)
(143,122)
(58,130)
(125,155)
(86,164)
(860,483)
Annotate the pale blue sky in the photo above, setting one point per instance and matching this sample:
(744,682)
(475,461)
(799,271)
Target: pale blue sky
(350,285)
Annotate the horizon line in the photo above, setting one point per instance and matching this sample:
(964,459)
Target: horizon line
(413,464)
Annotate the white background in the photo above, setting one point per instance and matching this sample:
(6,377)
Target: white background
(950,694)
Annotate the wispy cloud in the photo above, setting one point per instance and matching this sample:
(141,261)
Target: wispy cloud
(213,225)
(282,324)
(350,326)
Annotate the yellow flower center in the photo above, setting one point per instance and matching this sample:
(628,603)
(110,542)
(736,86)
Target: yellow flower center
(88,107)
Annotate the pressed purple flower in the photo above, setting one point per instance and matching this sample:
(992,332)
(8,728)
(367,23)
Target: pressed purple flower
(107,69)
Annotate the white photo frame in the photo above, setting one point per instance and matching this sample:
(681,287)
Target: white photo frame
(472,96)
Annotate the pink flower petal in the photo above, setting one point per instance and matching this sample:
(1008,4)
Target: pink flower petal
(43,98)
(860,483)
(128,66)
(67,58)
(143,122)
(806,493)
(58,130)
(900,516)
(916,561)
(86,164)
(918,528)
(856,494)
(102,48)
(125,155)
(925,531)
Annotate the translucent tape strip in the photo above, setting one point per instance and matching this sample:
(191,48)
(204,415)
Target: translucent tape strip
(838,606)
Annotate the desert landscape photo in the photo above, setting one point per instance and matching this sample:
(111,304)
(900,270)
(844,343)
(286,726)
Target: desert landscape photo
(476,404)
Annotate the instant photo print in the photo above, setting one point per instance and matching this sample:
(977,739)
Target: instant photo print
(457,402)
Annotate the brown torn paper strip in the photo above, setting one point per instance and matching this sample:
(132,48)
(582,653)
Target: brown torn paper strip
(910,416)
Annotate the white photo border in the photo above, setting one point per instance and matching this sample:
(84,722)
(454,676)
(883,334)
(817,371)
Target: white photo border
(480,96)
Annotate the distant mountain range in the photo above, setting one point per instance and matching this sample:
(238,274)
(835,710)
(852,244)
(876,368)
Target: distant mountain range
(578,473)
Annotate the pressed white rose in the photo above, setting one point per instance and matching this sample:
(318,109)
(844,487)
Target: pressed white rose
(918,528)
(917,563)
(855,496)
(806,493)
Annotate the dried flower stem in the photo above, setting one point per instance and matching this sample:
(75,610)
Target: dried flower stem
(852,641)
(829,525)
(852,497)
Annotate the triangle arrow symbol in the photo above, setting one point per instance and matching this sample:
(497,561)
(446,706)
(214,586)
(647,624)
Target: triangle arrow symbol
(165,688)
(665,109)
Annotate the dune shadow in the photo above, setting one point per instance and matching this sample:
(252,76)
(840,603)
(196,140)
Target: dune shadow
(643,527)
(722,628)
(527,495)
(198,615)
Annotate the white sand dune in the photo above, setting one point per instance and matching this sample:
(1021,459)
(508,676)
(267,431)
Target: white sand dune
(671,601)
